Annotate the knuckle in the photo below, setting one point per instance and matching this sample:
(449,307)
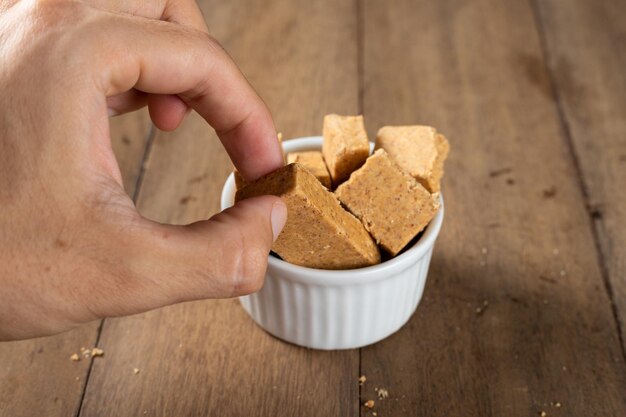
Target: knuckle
(210,42)
(204,52)
(107,200)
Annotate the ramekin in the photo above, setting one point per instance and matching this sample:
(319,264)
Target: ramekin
(346,309)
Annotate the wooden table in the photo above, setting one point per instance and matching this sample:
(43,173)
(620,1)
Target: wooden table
(525,305)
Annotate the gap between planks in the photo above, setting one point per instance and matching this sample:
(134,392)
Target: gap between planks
(146,154)
(569,143)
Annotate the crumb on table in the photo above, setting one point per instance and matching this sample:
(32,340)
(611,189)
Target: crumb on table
(96,352)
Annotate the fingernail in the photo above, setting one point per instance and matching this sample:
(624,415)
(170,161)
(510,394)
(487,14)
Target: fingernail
(278,218)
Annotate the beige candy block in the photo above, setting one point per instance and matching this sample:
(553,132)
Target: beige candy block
(345,146)
(314,162)
(391,204)
(418,150)
(319,233)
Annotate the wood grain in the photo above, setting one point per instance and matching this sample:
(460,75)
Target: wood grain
(515,314)
(586,47)
(209,358)
(37,377)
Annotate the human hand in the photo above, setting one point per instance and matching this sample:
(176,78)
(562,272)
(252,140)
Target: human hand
(72,246)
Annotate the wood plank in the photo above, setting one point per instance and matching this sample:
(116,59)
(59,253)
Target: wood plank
(516,232)
(37,377)
(586,57)
(209,358)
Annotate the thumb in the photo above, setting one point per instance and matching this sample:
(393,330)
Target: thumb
(225,256)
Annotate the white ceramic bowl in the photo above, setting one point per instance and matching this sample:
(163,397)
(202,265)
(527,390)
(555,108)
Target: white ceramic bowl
(324,309)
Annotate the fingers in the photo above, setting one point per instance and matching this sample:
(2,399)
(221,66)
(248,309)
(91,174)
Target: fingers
(224,256)
(164,58)
(167,111)
(230,250)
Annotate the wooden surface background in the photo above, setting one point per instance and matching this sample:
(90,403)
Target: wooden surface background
(532,95)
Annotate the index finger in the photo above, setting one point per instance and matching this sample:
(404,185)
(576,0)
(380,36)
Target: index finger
(166,58)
